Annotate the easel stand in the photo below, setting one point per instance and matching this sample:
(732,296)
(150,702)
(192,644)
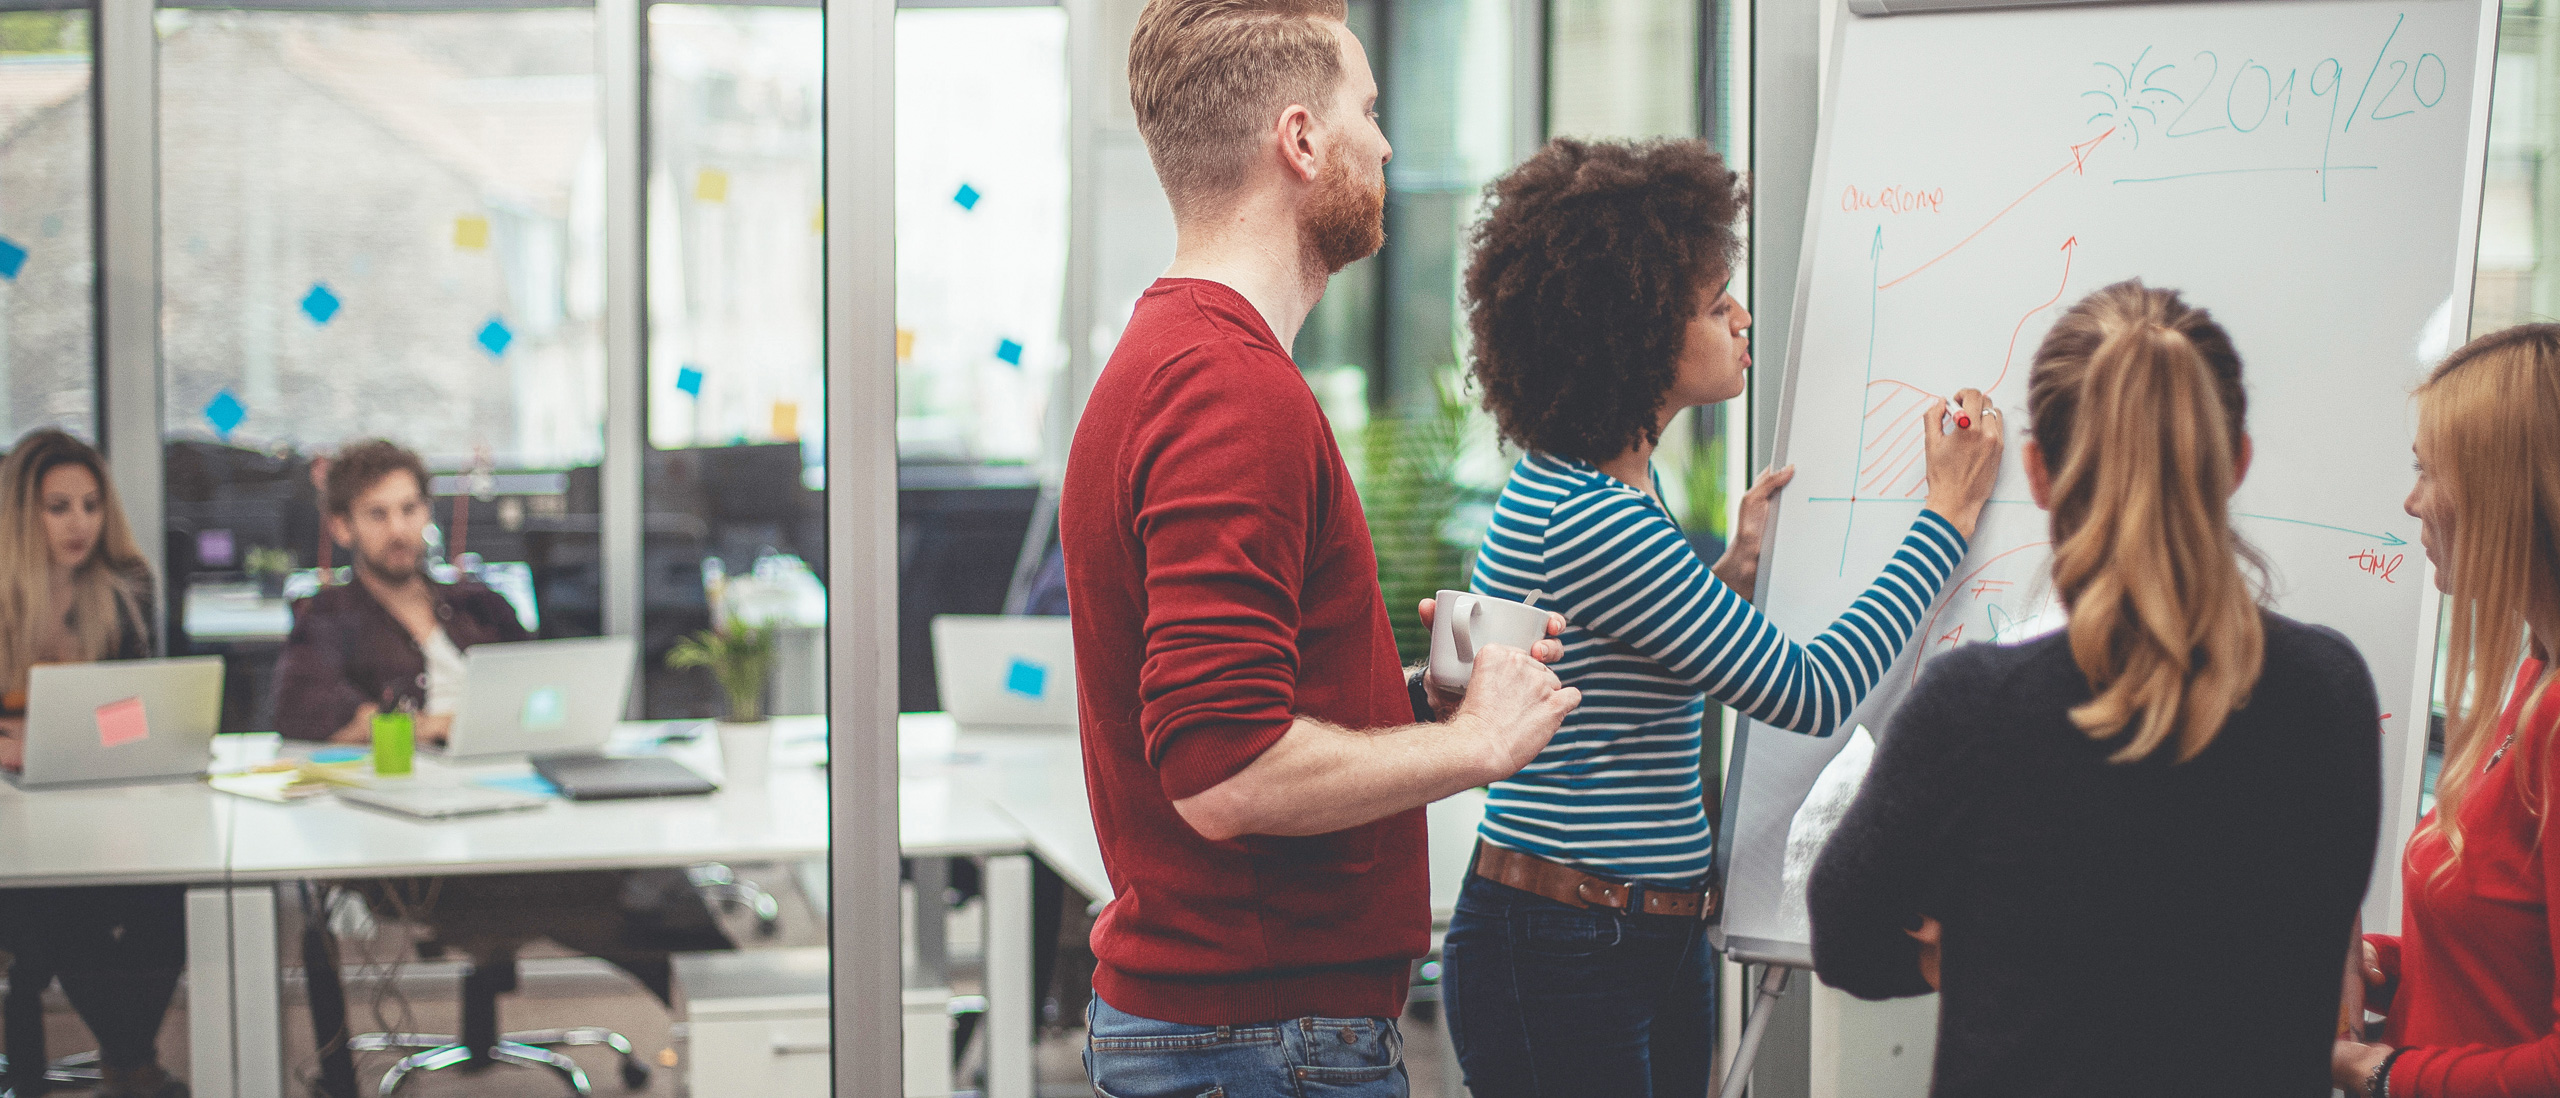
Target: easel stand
(1773,986)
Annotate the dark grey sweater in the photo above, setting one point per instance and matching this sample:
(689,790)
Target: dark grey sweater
(2149,928)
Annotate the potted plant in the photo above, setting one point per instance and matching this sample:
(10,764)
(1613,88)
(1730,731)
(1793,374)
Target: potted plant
(740,657)
(269,566)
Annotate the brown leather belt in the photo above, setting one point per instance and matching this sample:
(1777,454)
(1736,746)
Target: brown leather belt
(1566,885)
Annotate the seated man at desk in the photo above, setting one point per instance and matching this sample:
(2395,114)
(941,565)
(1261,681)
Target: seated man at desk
(394,637)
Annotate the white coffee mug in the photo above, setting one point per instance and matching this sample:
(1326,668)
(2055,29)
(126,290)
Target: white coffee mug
(1465,622)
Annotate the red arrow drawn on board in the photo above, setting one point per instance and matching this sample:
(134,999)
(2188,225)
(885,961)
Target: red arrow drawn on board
(2079,165)
(2068,248)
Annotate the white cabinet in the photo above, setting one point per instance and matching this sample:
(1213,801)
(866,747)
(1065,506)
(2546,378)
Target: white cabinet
(756,1026)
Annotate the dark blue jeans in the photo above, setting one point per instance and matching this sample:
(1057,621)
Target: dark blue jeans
(1547,1000)
(1126,1056)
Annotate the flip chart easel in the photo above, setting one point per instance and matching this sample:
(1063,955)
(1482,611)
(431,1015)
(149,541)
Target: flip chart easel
(2309,170)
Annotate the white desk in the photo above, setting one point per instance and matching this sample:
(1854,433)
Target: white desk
(171,833)
(783,820)
(236,611)
(1037,780)
(1002,796)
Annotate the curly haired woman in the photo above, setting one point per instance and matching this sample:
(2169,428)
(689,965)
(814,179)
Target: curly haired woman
(1597,297)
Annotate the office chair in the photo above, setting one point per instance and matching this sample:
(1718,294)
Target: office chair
(631,919)
(78,1070)
(717,882)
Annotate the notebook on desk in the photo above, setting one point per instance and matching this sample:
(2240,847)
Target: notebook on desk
(588,777)
(440,802)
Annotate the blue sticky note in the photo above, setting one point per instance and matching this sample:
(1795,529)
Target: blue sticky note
(1031,680)
(520,783)
(689,380)
(494,337)
(1009,351)
(225,413)
(12,257)
(967,197)
(320,304)
(339,754)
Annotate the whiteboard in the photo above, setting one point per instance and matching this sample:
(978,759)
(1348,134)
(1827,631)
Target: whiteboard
(2309,170)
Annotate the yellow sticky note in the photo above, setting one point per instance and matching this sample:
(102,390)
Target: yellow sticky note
(711,185)
(906,344)
(786,421)
(471,232)
(818,221)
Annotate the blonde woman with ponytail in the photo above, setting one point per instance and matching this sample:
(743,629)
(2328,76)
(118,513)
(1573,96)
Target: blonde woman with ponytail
(2126,852)
(2467,984)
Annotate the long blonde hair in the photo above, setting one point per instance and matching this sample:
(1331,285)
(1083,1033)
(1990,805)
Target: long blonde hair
(2489,427)
(110,591)
(2137,405)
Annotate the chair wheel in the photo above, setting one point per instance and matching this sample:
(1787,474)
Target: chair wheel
(766,928)
(635,1074)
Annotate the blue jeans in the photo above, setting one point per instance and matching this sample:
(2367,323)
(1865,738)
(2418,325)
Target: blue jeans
(1127,1056)
(1546,999)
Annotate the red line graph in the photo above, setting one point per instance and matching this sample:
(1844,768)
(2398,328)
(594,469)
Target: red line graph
(2079,164)
(2068,247)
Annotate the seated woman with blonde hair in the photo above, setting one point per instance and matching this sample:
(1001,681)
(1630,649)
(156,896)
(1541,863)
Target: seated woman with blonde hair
(75,589)
(73,585)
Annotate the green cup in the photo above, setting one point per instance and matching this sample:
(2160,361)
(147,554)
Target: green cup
(395,742)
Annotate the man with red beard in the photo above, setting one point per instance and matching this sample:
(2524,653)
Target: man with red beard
(1252,751)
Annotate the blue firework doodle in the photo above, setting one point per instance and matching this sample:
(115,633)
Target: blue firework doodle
(2129,92)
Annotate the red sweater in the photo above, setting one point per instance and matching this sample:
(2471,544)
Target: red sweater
(2471,976)
(1223,584)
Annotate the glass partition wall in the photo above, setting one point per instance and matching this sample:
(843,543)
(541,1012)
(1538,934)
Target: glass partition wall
(421,224)
(48,263)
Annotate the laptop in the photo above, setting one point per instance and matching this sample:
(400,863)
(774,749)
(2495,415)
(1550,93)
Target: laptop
(121,721)
(541,697)
(1006,673)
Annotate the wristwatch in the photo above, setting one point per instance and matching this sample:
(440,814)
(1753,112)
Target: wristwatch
(1419,694)
(2378,1084)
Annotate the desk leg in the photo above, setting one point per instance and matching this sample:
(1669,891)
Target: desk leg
(932,880)
(1009,1005)
(257,1008)
(209,1037)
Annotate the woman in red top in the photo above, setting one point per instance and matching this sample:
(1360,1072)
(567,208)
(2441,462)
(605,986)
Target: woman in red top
(2469,982)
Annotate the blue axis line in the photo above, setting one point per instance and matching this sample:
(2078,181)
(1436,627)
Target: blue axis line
(1854,499)
(1875,288)
(2248,171)
(2387,539)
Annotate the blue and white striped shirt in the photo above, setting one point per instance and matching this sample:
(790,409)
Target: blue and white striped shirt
(1650,634)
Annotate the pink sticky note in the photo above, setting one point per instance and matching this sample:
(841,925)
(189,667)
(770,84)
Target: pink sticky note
(122,722)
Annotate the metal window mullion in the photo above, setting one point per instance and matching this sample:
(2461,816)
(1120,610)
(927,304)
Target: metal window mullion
(127,102)
(618,31)
(862,545)
(1531,27)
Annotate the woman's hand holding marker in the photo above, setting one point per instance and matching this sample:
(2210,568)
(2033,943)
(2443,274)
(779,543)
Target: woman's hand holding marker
(1963,457)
